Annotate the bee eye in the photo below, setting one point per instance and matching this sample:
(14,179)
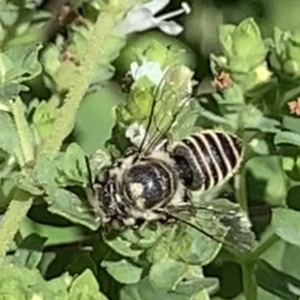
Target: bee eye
(148,184)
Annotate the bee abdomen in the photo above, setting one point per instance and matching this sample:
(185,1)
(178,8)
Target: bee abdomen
(208,158)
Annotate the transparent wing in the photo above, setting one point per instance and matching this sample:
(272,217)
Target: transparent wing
(170,103)
(221,220)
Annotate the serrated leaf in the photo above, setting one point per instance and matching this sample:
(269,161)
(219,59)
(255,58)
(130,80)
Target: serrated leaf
(65,169)
(27,183)
(193,247)
(25,62)
(243,45)
(145,237)
(44,116)
(123,247)
(286,137)
(46,174)
(285,223)
(86,286)
(74,164)
(190,287)
(123,270)
(22,283)
(144,290)
(68,205)
(166,273)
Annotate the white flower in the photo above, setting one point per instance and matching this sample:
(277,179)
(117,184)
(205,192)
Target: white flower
(151,69)
(141,17)
(135,133)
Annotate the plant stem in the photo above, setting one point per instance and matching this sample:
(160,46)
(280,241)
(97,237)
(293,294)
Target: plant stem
(16,211)
(249,281)
(21,203)
(24,132)
(248,266)
(270,241)
(66,117)
(241,192)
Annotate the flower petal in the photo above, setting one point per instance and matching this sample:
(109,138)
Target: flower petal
(134,69)
(137,19)
(156,5)
(154,72)
(170,27)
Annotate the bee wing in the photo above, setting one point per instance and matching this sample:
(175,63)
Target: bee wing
(221,220)
(170,102)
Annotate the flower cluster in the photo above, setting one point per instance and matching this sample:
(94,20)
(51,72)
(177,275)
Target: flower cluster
(142,17)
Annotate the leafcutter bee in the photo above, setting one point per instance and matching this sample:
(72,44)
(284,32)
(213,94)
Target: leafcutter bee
(158,180)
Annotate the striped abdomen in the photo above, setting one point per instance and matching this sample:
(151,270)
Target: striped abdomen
(208,158)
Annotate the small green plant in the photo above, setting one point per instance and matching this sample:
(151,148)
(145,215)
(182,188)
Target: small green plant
(52,244)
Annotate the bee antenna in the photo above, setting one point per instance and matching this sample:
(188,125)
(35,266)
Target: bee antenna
(89,173)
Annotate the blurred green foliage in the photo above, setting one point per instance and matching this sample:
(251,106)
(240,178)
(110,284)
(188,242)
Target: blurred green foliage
(250,50)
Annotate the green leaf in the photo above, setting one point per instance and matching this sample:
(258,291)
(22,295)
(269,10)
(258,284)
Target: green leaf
(64,170)
(9,140)
(191,287)
(193,247)
(291,123)
(74,165)
(27,183)
(70,206)
(265,180)
(225,37)
(291,166)
(285,223)
(143,290)
(123,270)
(25,62)
(276,282)
(18,63)
(123,246)
(243,45)
(166,273)
(55,235)
(29,252)
(146,236)
(44,117)
(86,286)
(81,261)
(286,137)
(22,284)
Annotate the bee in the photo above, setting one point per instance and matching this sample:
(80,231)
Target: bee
(156,181)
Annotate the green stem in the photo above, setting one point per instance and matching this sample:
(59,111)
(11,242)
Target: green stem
(21,203)
(249,281)
(24,131)
(66,118)
(241,192)
(15,213)
(248,267)
(264,247)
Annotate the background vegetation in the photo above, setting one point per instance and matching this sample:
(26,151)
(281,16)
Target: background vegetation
(60,56)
